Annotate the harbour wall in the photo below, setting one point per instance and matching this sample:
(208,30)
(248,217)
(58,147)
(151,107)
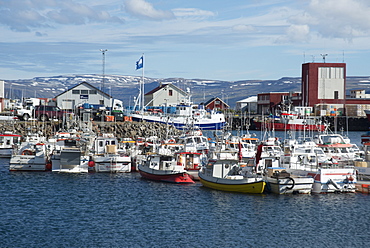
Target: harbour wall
(346,123)
(125,129)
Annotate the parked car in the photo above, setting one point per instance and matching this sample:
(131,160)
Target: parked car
(24,113)
(45,113)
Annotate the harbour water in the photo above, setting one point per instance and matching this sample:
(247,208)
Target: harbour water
(122,210)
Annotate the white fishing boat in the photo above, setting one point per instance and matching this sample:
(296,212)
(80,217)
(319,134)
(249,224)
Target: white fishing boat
(279,181)
(186,114)
(339,148)
(106,158)
(329,175)
(69,156)
(31,157)
(9,143)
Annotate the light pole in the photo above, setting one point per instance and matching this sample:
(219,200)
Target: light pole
(103,53)
(103,81)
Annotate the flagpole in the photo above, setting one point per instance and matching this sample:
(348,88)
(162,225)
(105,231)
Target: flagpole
(142,92)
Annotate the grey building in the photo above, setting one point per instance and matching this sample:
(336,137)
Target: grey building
(80,94)
(165,94)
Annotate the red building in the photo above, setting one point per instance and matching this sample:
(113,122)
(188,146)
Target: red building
(275,101)
(323,83)
(216,104)
(324,88)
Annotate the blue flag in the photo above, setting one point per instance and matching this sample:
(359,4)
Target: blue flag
(140,63)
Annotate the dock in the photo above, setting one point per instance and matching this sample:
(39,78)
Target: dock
(362,186)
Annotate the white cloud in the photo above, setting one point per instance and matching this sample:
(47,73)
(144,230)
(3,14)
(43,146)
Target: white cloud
(298,33)
(143,9)
(193,13)
(22,15)
(346,19)
(243,28)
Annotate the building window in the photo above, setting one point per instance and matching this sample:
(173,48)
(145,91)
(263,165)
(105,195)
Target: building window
(336,94)
(93,92)
(84,92)
(101,102)
(75,91)
(217,102)
(331,72)
(170,93)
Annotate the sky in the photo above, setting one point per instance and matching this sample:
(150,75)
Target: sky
(208,39)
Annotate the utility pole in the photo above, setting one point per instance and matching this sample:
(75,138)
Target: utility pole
(103,81)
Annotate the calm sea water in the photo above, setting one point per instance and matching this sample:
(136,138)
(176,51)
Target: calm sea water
(122,210)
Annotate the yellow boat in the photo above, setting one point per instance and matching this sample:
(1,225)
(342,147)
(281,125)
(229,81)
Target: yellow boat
(230,175)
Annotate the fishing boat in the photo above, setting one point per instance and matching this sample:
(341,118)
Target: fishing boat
(231,175)
(279,181)
(9,142)
(309,160)
(339,148)
(69,156)
(363,167)
(106,158)
(31,157)
(186,113)
(163,168)
(365,137)
(289,121)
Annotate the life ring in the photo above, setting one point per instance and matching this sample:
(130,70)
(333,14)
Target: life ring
(27,152)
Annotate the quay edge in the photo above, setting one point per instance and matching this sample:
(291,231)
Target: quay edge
(347,123)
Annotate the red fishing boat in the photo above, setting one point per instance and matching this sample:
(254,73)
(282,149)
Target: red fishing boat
(289,121)
(164,168)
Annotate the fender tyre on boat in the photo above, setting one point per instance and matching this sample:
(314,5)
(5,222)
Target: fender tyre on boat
(293,184)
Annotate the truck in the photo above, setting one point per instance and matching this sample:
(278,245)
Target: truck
(99,112)
(25,112)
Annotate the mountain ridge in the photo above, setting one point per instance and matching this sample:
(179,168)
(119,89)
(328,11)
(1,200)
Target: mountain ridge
(127,87)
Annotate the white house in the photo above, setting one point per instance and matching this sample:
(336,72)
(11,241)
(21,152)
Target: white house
(248,104)
(165,94)
(80,94)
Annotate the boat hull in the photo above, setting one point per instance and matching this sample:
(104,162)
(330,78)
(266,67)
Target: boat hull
(342,180)
(233,185)
(6,152)
(165,175)
(28,163)
(300,185)
(111,164)
(277,126)
(182,123)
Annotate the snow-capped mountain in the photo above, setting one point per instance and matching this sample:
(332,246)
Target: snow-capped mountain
(127,87)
